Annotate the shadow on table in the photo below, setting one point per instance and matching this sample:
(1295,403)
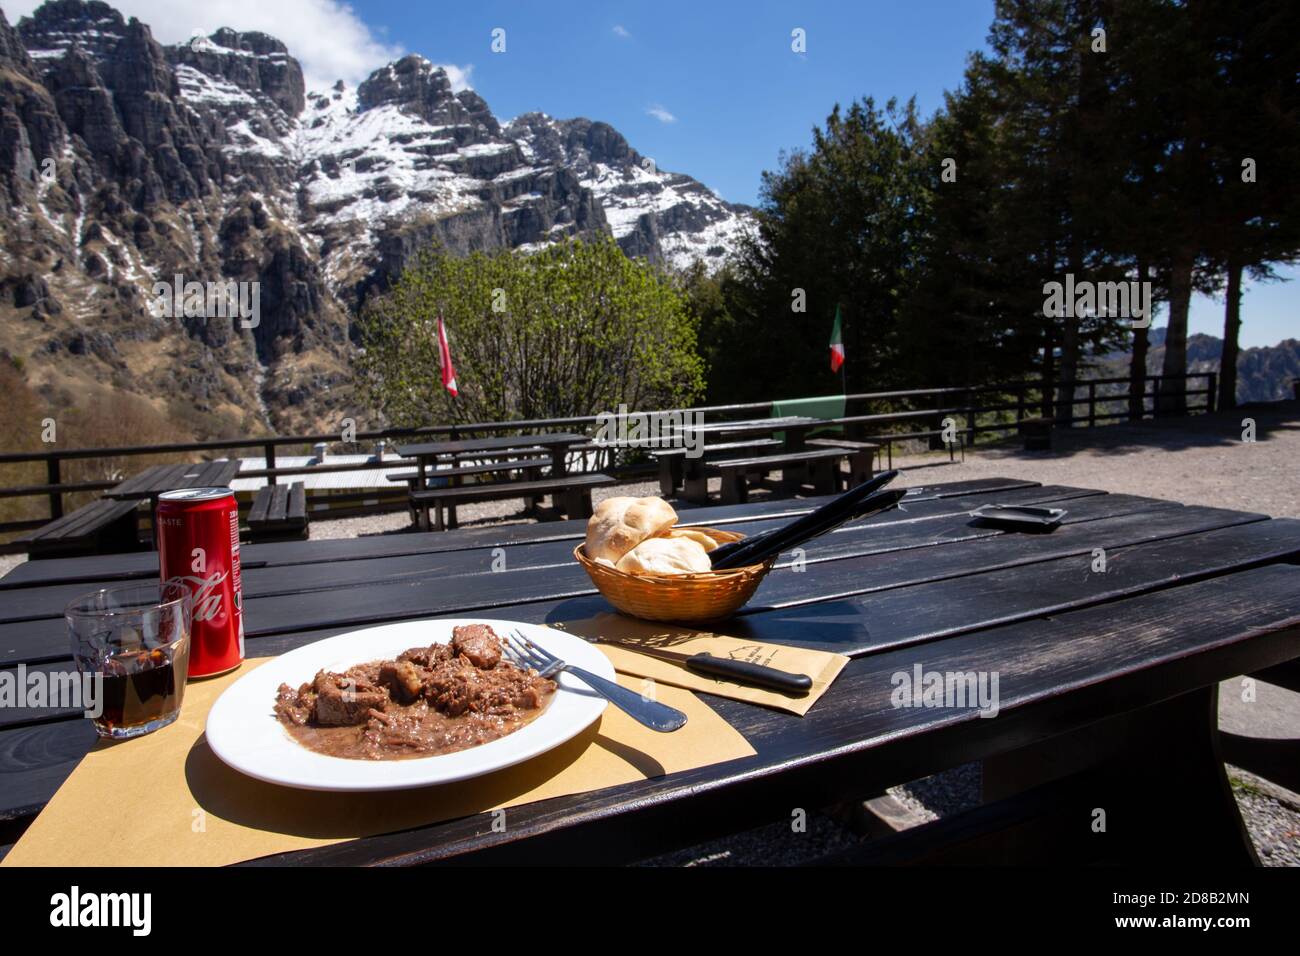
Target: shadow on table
(233,797)
(833,626)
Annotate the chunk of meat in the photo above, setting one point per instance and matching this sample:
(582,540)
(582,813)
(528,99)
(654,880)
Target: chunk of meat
(458,687)
(478,644)
(295,706)
(427,656)
(343,700)
(404,680)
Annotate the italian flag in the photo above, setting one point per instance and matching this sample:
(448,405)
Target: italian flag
(837,343)
(444,355)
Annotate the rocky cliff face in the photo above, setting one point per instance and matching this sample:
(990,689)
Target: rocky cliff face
(1264,373)
(124,163)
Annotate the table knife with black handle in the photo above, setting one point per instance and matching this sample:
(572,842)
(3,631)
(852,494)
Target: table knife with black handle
(726,668)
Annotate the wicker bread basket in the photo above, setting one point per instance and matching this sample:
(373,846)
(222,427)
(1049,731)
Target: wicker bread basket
(685,598)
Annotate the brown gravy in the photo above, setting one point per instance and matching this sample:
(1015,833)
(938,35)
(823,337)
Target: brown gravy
(437,734)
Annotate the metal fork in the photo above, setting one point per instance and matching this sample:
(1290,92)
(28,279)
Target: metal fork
(653,714)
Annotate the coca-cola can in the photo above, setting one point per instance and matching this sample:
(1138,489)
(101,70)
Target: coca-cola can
(198,545)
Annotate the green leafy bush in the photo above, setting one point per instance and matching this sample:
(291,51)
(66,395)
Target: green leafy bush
(573,329)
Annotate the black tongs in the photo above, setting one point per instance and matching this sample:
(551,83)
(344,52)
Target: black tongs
(863,501)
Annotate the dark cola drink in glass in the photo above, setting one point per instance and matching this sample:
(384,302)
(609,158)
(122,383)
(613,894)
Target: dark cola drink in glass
(134,641)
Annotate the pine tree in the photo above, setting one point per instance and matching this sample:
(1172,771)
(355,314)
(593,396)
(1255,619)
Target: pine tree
(1255,153)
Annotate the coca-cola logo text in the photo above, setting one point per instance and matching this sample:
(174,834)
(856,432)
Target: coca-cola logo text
(206,591)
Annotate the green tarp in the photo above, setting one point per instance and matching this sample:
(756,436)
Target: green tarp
(825,406)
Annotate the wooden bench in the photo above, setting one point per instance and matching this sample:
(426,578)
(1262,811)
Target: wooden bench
(531,468)
(861,462)
(822,466)
(279,513)
(959,443)
(105,526)
(571,492)
(672,461)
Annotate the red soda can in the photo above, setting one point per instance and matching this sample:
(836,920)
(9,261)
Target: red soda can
(198,545)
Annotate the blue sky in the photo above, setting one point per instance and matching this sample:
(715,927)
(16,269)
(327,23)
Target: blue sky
(724,72)
(710,87)
(715,90)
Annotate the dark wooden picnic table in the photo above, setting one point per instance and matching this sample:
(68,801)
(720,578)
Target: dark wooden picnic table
(428,454)
(558,443)
(154,480)
(1107,679)
(794,429)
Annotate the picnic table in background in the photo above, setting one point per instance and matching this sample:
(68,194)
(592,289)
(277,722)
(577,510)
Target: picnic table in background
(739,438)
(428,455)
(794,427)
(1107,681)
(153,481)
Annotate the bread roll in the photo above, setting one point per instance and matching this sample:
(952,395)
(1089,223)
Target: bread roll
(666,555)
(695,535)
(619,524)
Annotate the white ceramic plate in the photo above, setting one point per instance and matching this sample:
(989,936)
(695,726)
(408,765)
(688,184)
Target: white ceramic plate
(244,733)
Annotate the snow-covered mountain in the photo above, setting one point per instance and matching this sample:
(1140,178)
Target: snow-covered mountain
(124,162)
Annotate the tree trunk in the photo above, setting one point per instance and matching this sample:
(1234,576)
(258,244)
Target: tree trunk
(1049,376)
(1173,383)
(1068,372)
(1137,369)
(1231,330)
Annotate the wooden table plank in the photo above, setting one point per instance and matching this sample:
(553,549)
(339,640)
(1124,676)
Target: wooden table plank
(496,443)
(138,480)
(159,478)
(165,477)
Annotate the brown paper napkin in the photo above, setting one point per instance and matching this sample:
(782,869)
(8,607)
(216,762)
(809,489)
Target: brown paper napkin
(821,666)
(166,800)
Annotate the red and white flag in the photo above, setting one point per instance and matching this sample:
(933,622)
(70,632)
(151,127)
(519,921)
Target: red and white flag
(444,357)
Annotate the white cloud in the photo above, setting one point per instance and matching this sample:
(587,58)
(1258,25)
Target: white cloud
(326,36)
(661,114)
(458,75)
(621,31)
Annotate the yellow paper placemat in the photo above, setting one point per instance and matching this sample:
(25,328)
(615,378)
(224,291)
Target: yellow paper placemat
(822,666)
(166,800)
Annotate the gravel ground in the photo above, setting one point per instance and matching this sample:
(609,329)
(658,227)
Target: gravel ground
(1202,460)
(1272,816)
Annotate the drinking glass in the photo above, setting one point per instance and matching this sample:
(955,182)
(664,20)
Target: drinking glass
(134,641)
